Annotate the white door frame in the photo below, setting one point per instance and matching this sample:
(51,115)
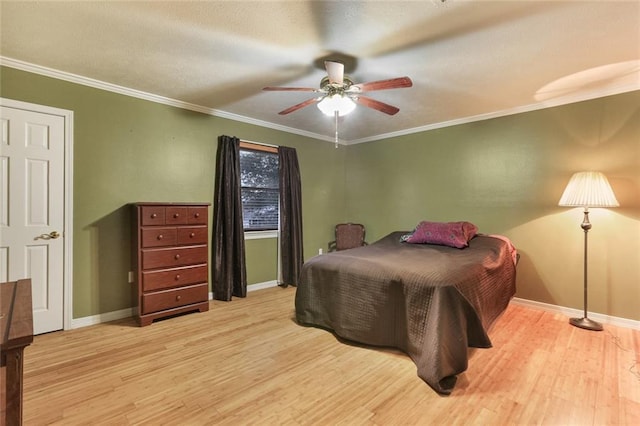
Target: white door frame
(68,198)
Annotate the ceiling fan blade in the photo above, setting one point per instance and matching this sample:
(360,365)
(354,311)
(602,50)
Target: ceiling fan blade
(335,70)
(300,105)
(392,83)
(377,105)
(289,89)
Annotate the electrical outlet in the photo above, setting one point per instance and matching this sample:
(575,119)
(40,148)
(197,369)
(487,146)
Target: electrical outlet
(319,251)
(131,277)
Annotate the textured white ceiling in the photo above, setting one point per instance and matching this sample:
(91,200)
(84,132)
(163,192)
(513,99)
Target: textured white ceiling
(467,59)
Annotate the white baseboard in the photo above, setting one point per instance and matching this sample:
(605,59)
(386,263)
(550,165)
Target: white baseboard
(568,312)
(260,286)
(129,312)
(97,319)
(571,313)
(257,286)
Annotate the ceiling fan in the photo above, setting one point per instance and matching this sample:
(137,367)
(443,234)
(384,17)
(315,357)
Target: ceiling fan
(339,94)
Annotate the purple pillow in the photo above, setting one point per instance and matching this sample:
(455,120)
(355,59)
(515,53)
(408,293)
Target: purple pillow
(452,234)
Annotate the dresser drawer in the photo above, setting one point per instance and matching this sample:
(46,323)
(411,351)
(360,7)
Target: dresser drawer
(175,277)
(191,235)
(167,299)
(198,215)
(159,237)
(172,257)
(175,216)
(151,215)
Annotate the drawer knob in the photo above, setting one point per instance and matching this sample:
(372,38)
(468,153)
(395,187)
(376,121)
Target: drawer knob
(177,277)
(154,215)
(193,234)
(160,236)
(176,215)
(178,297)
(176,257)
(197,215)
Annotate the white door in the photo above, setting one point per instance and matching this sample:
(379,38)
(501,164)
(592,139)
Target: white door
(32,212)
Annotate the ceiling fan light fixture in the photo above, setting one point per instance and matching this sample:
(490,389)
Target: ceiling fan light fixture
(336,102)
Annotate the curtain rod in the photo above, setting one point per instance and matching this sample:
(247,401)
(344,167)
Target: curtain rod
(260,143)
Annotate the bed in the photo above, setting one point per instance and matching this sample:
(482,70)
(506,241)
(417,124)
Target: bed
(432,302)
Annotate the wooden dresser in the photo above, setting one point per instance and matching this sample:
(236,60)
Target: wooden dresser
(16,332)
(170,259)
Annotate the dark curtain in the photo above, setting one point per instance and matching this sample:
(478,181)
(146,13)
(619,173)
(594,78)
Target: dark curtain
(290,216)
(229,268)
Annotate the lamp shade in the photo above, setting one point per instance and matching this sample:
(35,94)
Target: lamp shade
(588,189)
(343,104)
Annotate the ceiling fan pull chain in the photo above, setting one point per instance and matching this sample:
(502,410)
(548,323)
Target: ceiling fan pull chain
(335,114)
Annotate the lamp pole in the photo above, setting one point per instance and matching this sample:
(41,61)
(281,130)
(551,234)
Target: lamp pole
(585,322)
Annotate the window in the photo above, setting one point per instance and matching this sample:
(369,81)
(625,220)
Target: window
(259,181)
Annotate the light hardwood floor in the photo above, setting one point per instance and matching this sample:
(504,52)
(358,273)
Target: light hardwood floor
(248,362)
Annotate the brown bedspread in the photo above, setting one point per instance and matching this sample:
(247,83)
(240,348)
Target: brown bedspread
(432,302)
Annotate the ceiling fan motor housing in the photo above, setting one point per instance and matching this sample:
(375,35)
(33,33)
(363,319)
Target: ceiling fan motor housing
(335,88)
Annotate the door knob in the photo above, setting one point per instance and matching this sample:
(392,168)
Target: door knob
(50,236)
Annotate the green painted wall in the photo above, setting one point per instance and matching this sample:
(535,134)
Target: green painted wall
(262,260)
(507,175)
(128,150)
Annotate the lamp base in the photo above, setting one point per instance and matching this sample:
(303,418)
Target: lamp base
(586,323)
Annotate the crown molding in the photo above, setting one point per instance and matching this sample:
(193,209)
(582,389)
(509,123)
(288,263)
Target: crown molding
(564,100)
(86,81)
(98,84)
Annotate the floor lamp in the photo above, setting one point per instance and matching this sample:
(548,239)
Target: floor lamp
(587,189)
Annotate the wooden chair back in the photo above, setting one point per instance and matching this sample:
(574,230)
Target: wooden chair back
(348,235)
